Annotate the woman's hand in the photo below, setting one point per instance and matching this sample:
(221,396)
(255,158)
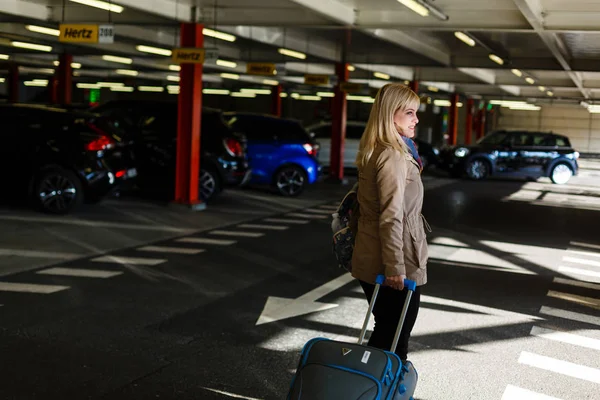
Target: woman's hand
(395,282)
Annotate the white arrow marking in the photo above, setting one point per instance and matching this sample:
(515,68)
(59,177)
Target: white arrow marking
(278,308)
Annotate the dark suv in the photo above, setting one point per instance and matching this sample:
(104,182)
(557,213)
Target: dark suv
(152,127)
(517,153)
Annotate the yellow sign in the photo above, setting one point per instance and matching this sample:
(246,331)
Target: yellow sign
(188,56)
(316,80)
(350,87)
(80,33)
(260,69)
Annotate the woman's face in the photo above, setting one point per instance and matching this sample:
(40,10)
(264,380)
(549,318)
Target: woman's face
(406,121)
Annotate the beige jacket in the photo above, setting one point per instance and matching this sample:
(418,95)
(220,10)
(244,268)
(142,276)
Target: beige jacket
(391,237)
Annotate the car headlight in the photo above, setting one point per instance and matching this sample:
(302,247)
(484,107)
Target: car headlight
(436,151)
(461,152)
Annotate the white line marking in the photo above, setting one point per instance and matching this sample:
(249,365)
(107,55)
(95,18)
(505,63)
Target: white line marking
(237,233)
(287,221)
(580,284)
(216,242)
(573,316)
(588,245)
(311,216)
(95,224)
(584,253)
(85,273)
(585,301)
(167,249)
(516,393)
(235,396)
(317,211)
(38,254)
(582,261)
(268,227)
(30,288)
(560,367)
(129,260)
(579,271)
(565,337)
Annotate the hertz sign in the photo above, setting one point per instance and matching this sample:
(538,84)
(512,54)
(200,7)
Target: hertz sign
(86,33)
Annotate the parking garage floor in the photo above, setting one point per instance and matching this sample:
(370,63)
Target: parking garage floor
(135,300)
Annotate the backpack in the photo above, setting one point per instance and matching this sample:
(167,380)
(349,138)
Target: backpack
(344,227)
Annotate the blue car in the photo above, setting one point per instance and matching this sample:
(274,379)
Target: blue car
(280,151)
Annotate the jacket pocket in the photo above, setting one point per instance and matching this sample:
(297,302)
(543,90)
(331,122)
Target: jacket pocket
(418,252)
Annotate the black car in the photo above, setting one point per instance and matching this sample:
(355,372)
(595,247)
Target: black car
(516,153)
(152,127)
(57,159)
(429,153)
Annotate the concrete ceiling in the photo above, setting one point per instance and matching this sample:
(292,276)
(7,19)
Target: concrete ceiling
(554,42)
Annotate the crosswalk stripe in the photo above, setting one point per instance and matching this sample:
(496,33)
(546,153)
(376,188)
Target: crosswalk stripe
(129,260)
(287,221)
(237,233)
(317,211)
(267,227)
(167,249)
(572,282)
(516,393)
(559,366)
(565,337)
(38,254)
(582,261)
(30,288)
(311,216)
(328,207)
(583,300)
(584,253)
(573,316)
(216,242)
(78,272)
(579,271)
(588,245)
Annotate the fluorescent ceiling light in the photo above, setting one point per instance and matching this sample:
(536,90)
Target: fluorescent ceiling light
(270,82)
(4,56)
(44,30)
(219,35)
(34,83)
(295,95)
(173,78)
(103,5)
(530,80)
(122,60)
(433,89)
(2,80)
(416,7)
(74,65)
(381,75)
(549,93)
(283,94)
(517,72)
(465,38)
(309,98)
(32,46)
(216,91)
(291,53)
(230,76)
(121,89)
(506,102)
(225,63)
(154,50)
(240,94)
(256,91)
(175,67)
(87,86)
(325,94)
(542,88)
(496,59)
(351,68)
(151,88)
(129,72)
(442,103)
(109,84)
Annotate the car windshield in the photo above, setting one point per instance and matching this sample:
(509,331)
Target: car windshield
(494,138)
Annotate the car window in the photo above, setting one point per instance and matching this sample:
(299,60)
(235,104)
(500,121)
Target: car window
(291,131)
(562,141)
(496,138)
(322,131)
(159,122)
(252,128)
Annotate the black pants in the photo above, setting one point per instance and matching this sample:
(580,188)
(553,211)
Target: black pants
(387,311)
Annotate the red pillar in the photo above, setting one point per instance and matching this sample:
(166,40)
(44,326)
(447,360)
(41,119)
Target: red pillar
(13,81)
(482,122)
(469,122)
(276,101)
(338,125)
(453,120)
(188,123)
(53,90)
(65,78)
(414,85)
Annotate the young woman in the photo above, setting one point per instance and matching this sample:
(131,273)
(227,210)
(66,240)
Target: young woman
(391,237)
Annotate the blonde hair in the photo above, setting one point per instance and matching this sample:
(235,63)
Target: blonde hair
(380,129)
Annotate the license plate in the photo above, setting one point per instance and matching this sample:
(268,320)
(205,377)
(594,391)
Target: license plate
(132,173)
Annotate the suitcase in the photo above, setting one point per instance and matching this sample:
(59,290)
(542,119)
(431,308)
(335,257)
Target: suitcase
(334,370)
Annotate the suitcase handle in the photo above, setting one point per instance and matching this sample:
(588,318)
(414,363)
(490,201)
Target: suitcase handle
(408,284)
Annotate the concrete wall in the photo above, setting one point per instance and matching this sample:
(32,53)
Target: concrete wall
(581,127)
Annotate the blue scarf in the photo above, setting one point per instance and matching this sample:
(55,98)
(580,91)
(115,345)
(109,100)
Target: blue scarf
(413,150)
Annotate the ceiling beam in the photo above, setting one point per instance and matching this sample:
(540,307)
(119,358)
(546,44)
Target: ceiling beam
(332,9)
(533,11)
(25,9)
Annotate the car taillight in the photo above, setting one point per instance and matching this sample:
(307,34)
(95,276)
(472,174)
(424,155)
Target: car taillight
(104,142)
(310,149)
(234,147)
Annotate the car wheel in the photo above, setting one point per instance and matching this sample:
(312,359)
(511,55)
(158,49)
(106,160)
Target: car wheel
(561,173)
(290,181)
(478,169)
(58,191)
(208,185)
